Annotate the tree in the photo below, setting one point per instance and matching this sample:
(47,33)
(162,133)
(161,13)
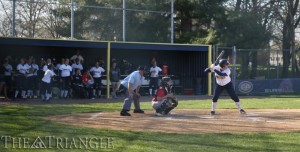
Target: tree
(245,26)
(287,14)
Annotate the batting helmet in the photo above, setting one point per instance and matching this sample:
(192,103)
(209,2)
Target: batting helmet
(223,62)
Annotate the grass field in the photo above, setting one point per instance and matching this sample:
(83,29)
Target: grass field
(24,121)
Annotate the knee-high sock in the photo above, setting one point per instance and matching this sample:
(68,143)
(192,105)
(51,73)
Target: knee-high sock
(66,93)
(94,92)
(214,106)
(238,104)
(62,93)
(16,93)
(23,93)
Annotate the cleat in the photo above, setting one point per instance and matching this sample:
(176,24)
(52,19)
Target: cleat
(212,113)
(158,114)
(242,111)
(138,111)
(124,113)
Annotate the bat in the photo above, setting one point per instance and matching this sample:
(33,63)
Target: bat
(216,62)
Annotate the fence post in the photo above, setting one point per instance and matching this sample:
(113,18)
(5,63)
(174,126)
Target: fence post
(172,21)
(72,19)
(124,20)
(234,66)
(108,71)
(14,19)
(209,73)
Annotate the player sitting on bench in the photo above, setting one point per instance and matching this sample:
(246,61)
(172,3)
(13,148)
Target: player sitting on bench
(164,101)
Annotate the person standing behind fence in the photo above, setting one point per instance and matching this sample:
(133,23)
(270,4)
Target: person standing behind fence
(153,85)
(132,82)
(21,79)
(46,83)
(66,70)
(114,79)
(97,71)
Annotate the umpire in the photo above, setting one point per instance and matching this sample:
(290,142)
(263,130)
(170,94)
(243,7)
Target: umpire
(132,82)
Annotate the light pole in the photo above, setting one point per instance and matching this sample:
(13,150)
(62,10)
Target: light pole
(72,19)
(124,20)
(172,21)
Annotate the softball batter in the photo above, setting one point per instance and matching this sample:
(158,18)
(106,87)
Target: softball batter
(223,80)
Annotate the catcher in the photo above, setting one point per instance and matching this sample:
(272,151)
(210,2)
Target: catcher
(164,101)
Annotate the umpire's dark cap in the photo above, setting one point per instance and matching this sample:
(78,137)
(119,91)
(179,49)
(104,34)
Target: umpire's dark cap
(142,68)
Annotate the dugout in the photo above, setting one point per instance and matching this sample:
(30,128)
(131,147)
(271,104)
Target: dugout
(185,62)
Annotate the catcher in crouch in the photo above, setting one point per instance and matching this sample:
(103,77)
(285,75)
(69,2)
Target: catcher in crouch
(164,101)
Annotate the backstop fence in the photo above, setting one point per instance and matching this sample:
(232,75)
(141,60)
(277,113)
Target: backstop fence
(262,71)
(109,20)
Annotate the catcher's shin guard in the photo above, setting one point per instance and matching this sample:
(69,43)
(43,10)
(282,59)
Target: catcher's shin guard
(163,106)
(172,102)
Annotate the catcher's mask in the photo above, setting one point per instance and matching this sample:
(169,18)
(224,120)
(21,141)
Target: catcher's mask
(166,82)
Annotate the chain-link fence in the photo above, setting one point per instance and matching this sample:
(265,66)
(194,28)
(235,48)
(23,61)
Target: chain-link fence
(87,20)
(256,71)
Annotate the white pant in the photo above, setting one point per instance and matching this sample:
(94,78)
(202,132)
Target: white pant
(157,104)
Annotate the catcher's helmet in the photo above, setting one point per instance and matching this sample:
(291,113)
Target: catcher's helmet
(223,62)
(166,81)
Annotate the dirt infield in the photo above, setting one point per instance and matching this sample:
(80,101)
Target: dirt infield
(191,121)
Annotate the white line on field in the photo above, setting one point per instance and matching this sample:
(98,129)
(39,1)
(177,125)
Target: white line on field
(95,115)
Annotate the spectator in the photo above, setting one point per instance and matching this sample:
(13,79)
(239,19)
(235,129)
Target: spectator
(46,83)
(77,56)
(77,65)
(114,79)
(66,70)
(88,83)
(97,73)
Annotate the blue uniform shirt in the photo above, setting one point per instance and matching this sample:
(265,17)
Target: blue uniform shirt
(134,78)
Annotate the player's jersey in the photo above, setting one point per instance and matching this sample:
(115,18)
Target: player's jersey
(8,70)
(47,76)
(161,92)
(22,69)
(225,79)
(154,71)
(65,70)
(77,66)
(97,71)
(36,67)
(30,70)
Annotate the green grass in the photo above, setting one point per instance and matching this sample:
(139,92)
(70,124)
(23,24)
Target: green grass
(25,121)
